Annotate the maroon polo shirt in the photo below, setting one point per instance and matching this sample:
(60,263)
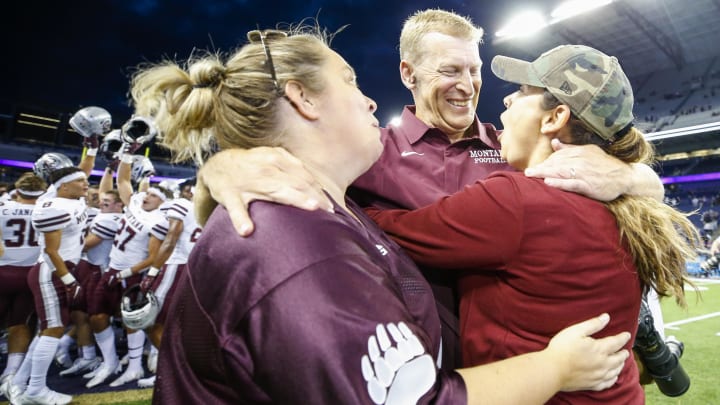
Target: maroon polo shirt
(420,165)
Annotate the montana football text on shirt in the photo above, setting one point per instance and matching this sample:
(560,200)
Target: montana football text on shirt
(486,156)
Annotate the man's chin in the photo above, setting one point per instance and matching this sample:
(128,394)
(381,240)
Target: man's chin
(461,122)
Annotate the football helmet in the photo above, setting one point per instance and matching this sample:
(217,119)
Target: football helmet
(91,121)
(139,130)
(50,162)
(110,146)
(142,167)
(139,310)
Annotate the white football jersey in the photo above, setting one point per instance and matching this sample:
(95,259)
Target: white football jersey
(104,226)
(51,192)
(66,214)
(181,209)
(131,240)
(19,236)
(92,212)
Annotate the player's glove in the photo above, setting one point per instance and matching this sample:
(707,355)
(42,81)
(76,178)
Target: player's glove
(112,278)
(147,283)
(129,148)
(91,142)
(72,288)
(113,165)
(117,276)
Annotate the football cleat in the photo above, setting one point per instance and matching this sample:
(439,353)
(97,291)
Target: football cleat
(147,382)
(62,358)
(45,397)
(128,376)
(81,365)
(101,374)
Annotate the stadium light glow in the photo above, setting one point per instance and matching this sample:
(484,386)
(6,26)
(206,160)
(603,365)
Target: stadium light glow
(691,178)
(523,24)
(529,22)
(36,124)
(572,8)
(37,117)
(395,121)
(695,129)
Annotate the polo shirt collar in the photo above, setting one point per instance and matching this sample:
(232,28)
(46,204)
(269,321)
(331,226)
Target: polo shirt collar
(413,129)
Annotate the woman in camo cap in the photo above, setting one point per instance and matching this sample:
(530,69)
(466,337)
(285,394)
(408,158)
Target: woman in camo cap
(540,258)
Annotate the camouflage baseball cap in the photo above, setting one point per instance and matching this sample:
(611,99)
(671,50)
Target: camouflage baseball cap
(591,83)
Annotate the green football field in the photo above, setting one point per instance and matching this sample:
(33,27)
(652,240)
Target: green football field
(699,329)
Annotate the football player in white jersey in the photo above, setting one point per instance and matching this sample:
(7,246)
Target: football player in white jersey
(61,221)
(182,233)
(133,252)
(98,244)
(62,357)
(19,251)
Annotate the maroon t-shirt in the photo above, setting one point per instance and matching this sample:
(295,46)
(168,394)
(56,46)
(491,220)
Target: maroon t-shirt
(539,259)
(313,307)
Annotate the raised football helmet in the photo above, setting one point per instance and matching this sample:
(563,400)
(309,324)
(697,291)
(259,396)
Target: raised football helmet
(91,121)
(110,146)
(139,310)
(142,167)
(139,130)
(50,162)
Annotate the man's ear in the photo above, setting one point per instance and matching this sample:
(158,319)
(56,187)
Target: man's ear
(301,99)
(407,74)
(555,119)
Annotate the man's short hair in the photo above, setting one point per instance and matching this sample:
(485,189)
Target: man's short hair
(30,182)
(115,194)
(435,20)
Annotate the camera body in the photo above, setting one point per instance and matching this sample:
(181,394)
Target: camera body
(660,358)
(710,264)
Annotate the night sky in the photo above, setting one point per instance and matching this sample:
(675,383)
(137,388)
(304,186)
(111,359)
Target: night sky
(70,54)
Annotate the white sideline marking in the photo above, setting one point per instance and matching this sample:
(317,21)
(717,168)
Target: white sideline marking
(699,281)
(705,280)
(670,325)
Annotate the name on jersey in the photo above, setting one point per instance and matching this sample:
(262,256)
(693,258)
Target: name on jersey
(134,222)
(17,212)
(486,156)
(81,219)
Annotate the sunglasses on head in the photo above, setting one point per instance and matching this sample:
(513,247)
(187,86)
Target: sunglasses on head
(264,37)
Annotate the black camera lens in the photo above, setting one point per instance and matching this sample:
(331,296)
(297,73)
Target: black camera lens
(660,358)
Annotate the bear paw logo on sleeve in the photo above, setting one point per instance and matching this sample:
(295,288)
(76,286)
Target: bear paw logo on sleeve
(396,367)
